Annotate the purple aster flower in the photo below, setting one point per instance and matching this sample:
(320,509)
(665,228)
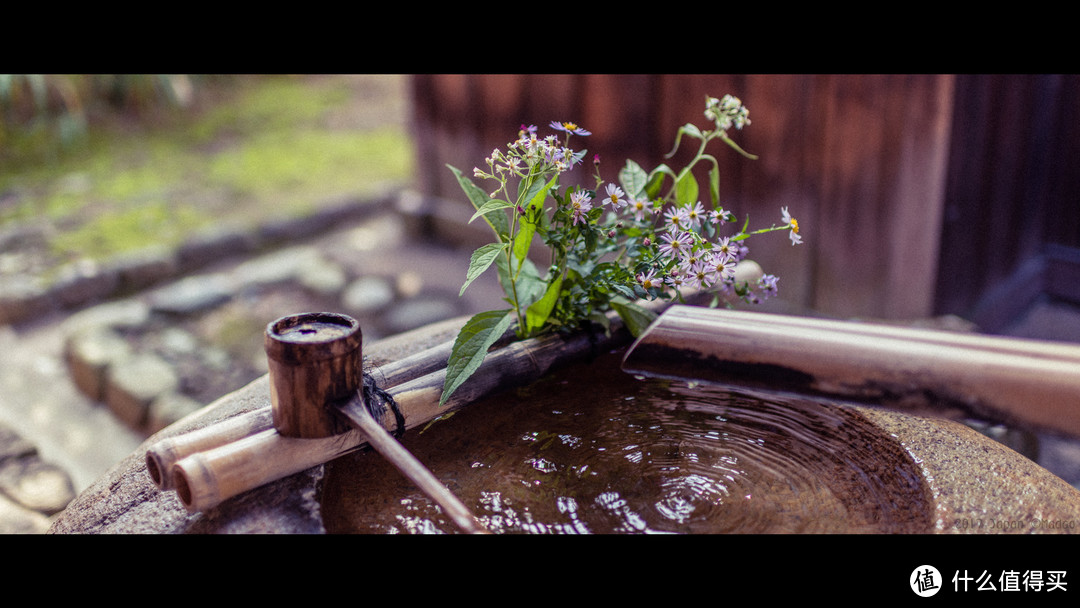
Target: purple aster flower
(675,244)
(767,283)
(580,204)
(722,266)
(639,207)
(675,219)
(699,276)
(616,197)
(569,127)
(695,214)
(648,280)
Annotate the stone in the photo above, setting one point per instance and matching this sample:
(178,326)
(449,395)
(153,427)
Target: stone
(417,312)
(13,445)
(17,519)
(192,295)
(89,354)
(84,281)
(134,383)
(276,268)
(143,268)
(23,236)
(325,280)
(214,245)
(292,228)
(36,485)
(118,314)
(168,409)
(179,340)
(367,295)
(22,296)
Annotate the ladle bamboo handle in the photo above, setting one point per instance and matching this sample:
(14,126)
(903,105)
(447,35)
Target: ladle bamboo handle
(357,414)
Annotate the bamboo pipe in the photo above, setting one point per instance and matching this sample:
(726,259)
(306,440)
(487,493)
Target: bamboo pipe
(1028,383)
(205,479)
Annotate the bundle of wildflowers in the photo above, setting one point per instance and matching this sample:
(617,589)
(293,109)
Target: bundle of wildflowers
(609,246)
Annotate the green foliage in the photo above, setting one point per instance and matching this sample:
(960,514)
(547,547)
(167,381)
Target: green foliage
(262,148)
(471,346)
(603,244)
(43,116)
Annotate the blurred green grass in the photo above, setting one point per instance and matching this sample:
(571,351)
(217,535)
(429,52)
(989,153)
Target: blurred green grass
(261,147)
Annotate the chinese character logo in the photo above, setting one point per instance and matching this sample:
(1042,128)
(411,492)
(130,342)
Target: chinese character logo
(925,581)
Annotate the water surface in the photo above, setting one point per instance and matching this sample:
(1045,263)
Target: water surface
(593,450)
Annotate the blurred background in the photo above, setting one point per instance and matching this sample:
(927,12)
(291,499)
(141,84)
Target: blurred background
(951,200)
(917,195)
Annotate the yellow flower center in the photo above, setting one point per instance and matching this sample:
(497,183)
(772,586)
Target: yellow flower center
(569,126)
(795,225)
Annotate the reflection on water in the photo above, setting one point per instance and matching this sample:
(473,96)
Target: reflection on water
(594,450)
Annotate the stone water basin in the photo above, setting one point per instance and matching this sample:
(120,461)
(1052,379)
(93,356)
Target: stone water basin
(591,449)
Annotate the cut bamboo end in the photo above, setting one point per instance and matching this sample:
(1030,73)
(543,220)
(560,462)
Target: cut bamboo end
(205,479)
(161,456)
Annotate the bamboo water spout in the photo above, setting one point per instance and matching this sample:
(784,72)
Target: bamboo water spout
(1030,383)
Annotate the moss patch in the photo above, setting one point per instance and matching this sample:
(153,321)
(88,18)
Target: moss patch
(266,146)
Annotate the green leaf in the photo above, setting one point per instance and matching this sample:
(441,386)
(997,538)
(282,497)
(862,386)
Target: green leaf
(493,204)
(686,189)
(692,129)
(633,179)
(735,146)
(714,185)
(538,313)
(743,234)
(636,318)
(687,128)
(602,320)
(478,198)
(523,239)
(528,284)
(656,180)
(471,346)
(480,261)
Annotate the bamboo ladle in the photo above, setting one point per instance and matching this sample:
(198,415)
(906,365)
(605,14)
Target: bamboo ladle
(316,380)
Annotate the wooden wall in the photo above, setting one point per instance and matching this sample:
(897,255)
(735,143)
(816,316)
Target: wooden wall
(1011,226)
(899,182)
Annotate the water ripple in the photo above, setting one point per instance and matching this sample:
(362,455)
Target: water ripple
(629,456)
